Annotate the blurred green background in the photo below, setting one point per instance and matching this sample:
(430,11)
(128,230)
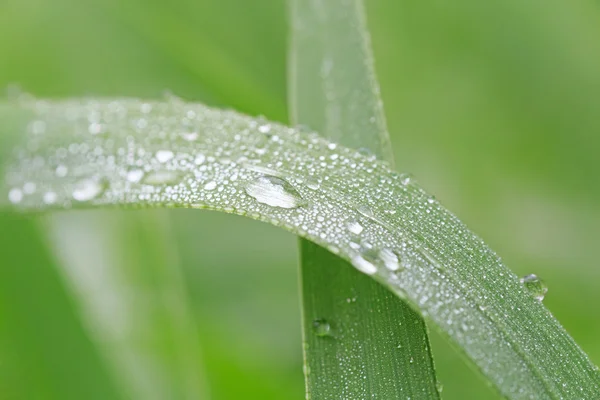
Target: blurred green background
(494,106)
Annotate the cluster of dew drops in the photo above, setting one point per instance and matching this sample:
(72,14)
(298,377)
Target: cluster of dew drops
(86,153)
(90,153)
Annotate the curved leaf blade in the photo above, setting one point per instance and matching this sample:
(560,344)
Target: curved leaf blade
(199,157)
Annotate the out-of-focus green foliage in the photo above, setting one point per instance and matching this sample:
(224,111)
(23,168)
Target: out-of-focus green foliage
(492,105)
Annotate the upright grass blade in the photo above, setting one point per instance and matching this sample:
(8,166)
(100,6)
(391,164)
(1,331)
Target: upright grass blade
(131,297)
(377,346)
(126,152)
(44,351)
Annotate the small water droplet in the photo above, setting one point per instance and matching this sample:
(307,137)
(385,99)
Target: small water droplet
(366,211)
(37,127)
(406,179)
(200,158)
(212,185)
(89,189)
(535,286)
(331,146)
(365,152)
(161,177)
(95,128)
(164,155)
(412,360)
(354,227)
(312,184)
(439,386)
(321,327)
(390,259)
(135,175)
(189,136)
(363,265)
(29,188)
(275,192)
(50,197)
(61,171)
(15,196)
(146,108)
(266,128)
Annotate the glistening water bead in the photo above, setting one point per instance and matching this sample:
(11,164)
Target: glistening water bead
(89,189)
(274,192)
(321,327)
(535,286)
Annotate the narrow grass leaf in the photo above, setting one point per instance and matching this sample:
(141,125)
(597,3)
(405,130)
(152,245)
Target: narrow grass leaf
(93,153)
(125,279)
(359,339)
(45,353)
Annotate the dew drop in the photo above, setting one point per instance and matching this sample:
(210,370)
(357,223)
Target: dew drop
(189,136)
(354,227)
(366,211)
(390,259)
(439,386)
(135,175)
(50,197)
(38,127)
(406,179)
(95,128)
(535,286)
(275,192)
(200,158)
(164,155)
(15,196)
(61,171)
(146,108)
(29,188)
(212,185)
(89,189)
(161,177)
(363,265)
(321,327)
(266,128)
(312,184)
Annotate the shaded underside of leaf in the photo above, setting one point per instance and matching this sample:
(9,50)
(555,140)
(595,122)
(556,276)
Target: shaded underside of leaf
(128,152)
(378,345)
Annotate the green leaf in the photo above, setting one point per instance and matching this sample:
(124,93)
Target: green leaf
(377,344)
(44,350)
(127,152)
(125,279)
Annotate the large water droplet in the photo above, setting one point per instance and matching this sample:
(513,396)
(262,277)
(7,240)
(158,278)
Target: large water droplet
(354,227)
(366,211)
(89,189)
(390,259)
(161,177)
(535,286)
(212,185)
(275,192)
(135,175)
(363,265)
(321,327)
(164,155)
(312,183)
